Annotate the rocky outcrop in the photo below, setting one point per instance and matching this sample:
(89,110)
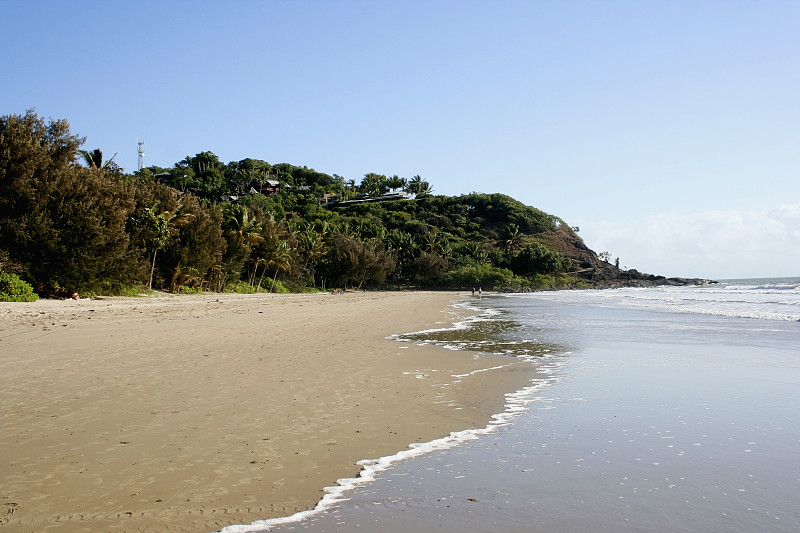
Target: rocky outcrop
(605,275)
(595,272)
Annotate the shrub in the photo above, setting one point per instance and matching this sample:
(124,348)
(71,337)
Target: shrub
(115,288)
(240,287)
(546,282)
(279,287)
(13,289)
(186,289)
(484,276)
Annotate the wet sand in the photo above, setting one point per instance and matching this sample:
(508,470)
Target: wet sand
(189,413)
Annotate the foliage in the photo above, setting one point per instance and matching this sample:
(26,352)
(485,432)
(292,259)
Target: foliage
(250,225)
(484,276)
(117,288)
(13,289)
(350,262)
(190,289)
(94,160)
(279,288)
(64,223)
(542,282)
(195,248)
(535,259)
(240,287)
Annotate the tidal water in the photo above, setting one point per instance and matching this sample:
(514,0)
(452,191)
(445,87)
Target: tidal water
(660,409)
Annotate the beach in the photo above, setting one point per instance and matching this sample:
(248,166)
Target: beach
(666,409)
(193,412)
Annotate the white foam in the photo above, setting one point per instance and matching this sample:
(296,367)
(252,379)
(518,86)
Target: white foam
(516,404)
(479,371)
(768,300)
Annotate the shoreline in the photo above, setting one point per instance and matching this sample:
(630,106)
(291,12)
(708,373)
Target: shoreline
(196,412)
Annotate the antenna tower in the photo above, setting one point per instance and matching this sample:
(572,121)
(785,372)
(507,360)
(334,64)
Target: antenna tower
(141,153)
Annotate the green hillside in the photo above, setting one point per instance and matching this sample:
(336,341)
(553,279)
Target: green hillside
(72,221)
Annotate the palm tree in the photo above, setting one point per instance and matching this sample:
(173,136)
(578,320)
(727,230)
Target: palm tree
(510,239)
(281,259)
(404,248)
(323,227)
(240,226)
(446,250)
(161,227)
(313,246)
(424,188)
(374,231)
(418,186)
(94,159)
(350,188)
(243,233)
(374,184)
(396,182)
(430,242)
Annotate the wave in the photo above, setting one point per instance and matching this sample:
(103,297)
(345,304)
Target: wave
(765,299)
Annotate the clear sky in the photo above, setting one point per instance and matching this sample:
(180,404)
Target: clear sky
(668,131)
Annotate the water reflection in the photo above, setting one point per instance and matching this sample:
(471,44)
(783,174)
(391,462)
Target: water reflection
(493,335)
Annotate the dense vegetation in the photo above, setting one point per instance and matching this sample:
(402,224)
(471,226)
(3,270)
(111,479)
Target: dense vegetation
(70,221)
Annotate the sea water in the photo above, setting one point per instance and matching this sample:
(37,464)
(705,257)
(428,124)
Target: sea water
(651,409)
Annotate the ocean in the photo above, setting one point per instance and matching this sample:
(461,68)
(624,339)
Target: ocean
(661,409)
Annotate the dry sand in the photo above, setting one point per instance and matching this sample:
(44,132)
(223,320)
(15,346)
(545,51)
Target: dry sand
(191,413)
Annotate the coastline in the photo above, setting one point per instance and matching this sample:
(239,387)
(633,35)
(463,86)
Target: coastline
(195,412)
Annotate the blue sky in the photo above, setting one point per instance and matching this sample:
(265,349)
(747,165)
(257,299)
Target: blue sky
(669,132)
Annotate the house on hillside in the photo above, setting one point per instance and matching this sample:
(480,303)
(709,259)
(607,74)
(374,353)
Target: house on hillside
(271,187)
(328,199)
(365,198)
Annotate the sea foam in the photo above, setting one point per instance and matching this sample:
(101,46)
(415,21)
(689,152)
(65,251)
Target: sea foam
(516,403)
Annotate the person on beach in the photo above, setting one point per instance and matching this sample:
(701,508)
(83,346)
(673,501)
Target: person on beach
(479,292)
(473,291)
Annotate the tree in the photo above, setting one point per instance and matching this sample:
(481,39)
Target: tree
(536,259)
(156,231)
(510,239)
(195,249)
(312,248)
(374,184)
(280,259)
(428,269)
(242,233)
(159,228)
(349,189)
(404,248)
(65,224)
(418,186)
(473,251)
(240,226)
(396,182)
(94,159)
(207,172)
(351,261)
(431,242)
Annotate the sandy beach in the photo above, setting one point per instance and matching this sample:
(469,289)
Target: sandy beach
(189,413)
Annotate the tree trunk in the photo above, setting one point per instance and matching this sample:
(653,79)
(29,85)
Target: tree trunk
(274,279)
(253,276)
(152,269)
(261,278)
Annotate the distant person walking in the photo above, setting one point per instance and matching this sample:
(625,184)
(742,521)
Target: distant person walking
(479,292)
